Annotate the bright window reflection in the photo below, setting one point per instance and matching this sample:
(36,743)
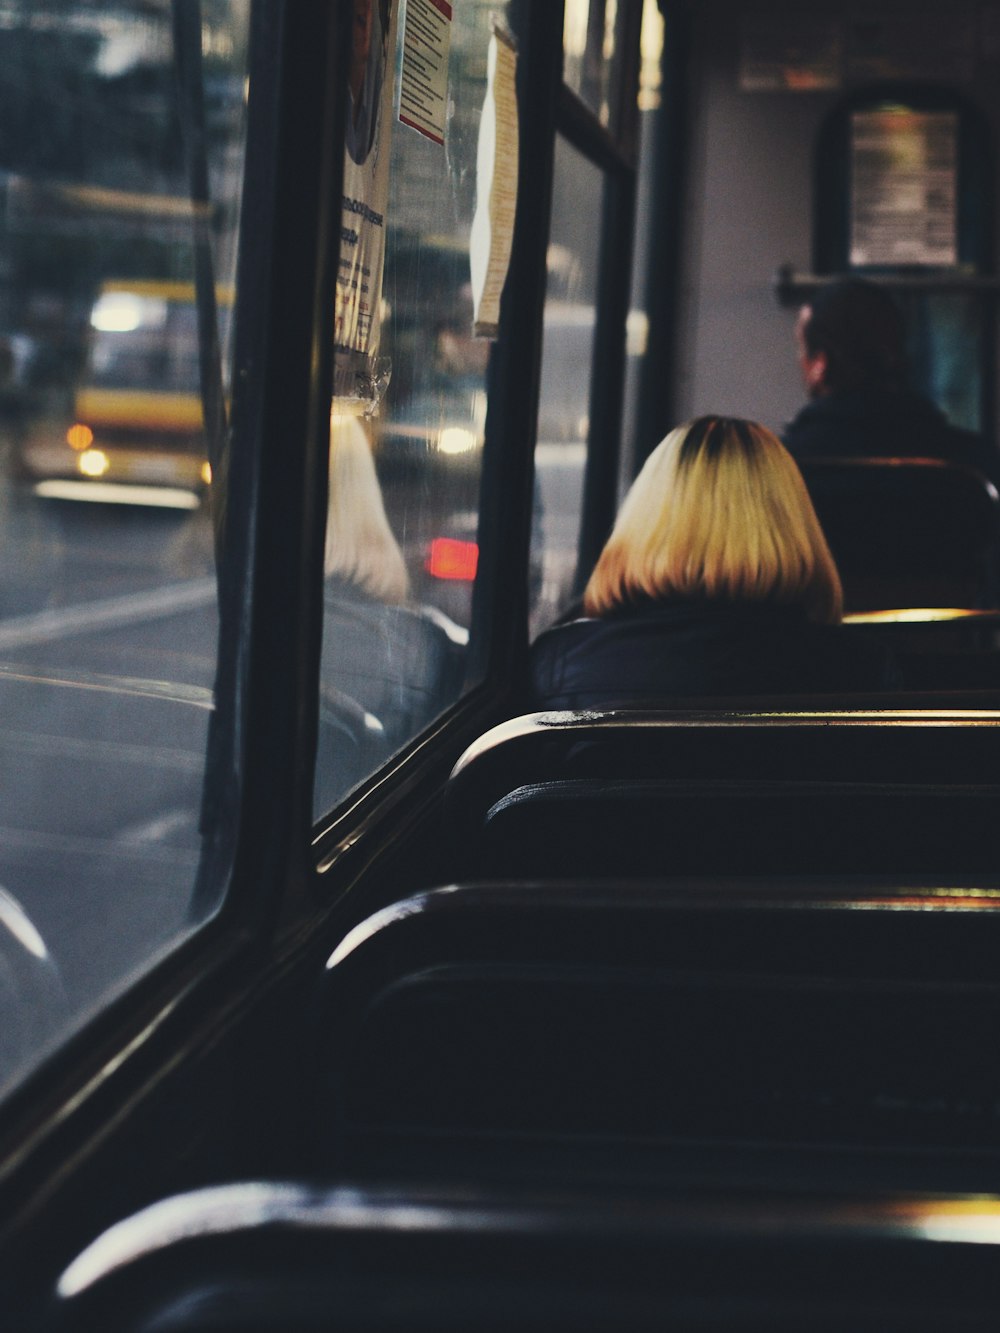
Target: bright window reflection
(402,526)
(651,56)
(108,622)
(590,31)
(567,352)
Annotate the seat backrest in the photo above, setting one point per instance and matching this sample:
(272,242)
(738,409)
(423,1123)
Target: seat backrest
(766,793)
(908,532)
(937,649)
(789,1011)
(258,1257)
(593,826)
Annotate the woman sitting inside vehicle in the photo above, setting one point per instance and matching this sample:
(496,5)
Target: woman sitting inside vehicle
(716,580)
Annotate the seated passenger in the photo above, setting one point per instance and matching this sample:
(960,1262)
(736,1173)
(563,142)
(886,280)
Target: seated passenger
(853,361)
(716,580)
(393,658)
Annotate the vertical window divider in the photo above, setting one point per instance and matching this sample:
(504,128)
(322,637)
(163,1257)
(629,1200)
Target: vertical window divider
(500,605)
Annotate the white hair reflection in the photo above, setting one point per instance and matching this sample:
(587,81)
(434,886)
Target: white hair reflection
(360,547)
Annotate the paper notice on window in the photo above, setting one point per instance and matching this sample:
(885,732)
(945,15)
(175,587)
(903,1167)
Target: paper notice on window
(359,375)
(496,183)
(423,85)
(904,187)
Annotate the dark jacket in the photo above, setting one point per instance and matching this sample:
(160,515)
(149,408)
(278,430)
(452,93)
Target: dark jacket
(880,423)
(647,655)
(398,662)
(386,672)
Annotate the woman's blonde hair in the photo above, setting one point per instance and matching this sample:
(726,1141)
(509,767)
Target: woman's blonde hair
(360,547)
(719,511)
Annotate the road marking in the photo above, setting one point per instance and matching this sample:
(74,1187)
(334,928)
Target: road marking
(79,847)
(110,613)
(160,828)
(92,750)
(175,691)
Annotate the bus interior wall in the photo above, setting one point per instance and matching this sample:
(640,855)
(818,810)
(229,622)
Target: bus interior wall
(751,189)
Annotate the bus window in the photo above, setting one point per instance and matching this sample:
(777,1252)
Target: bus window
(592,52)
(589,329)
(402,529)
(902,180)
(564,409)
(108,611)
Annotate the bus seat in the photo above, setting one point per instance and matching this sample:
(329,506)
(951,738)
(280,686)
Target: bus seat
(717,792)
(936,648)
(908,532)
(286,1257)
(476,1028)
(652,827)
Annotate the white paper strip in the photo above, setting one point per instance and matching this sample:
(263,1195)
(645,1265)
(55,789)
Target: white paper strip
(496,177)
(423,91)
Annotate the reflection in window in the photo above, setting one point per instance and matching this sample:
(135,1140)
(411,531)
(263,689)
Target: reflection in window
(651,56)
(945,338)
(589,51)
(567,351)
(108,623)
(394,647)
(389,665)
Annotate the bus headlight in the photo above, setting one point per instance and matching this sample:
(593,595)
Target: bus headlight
(93,463)
(456,440)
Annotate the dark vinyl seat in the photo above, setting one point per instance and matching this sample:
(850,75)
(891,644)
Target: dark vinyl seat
(908,531)
(563,794)
(566,1030)
(937,648)
(259,1257)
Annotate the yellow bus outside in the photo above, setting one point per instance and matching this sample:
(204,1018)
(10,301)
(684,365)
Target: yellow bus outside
(137,431)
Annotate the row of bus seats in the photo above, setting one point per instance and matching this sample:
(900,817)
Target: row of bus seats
(765,793)
(640,1030)
(774,948)
(767,1090)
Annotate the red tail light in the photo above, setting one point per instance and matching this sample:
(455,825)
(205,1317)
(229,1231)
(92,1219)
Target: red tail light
(452,559)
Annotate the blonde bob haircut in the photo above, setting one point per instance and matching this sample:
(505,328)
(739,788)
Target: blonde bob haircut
(360,547)
(718,512)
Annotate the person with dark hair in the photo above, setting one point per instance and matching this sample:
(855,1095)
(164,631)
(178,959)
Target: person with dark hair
(852,354)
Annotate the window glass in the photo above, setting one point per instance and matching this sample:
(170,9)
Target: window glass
(590,50)
(651,57)
(649,99)
(401,549)
(945,339)
(567,351)
(108,623)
